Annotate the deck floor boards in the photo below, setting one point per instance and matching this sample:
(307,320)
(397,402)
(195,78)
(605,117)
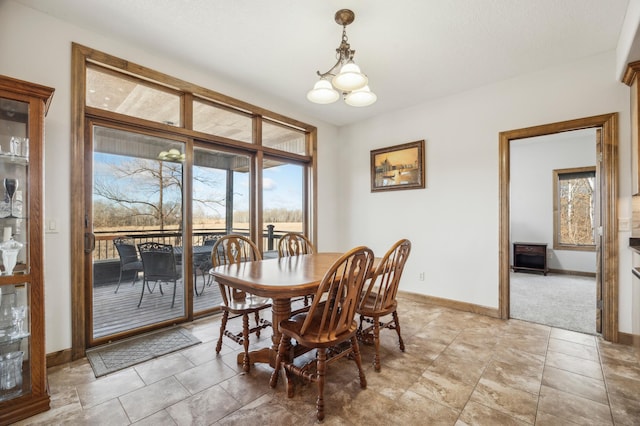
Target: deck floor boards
(118,312)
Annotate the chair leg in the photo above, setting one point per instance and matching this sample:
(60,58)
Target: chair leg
(277,367)
(246,365)
(358,360)
(257,313)
(223,327)
(321,365)
(195,282)
(142,293)
(397,327)
(173,301)
(119,280)
(376,343)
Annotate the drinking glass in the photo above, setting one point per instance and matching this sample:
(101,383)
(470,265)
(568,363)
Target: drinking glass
(18,314)
(10,187)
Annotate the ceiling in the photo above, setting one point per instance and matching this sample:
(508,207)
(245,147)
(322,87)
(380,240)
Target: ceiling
(411,50)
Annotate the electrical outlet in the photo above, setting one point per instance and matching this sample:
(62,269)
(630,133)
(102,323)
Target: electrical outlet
(421,276)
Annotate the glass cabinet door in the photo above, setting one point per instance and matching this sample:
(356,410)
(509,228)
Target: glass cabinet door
(14,248)
(14,341)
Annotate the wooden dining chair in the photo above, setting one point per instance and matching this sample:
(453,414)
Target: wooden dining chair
(379,298)
(228,250)
(329,322)
(158,266)
(295,244)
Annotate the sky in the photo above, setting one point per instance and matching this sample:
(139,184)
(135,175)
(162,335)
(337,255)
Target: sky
(282,185)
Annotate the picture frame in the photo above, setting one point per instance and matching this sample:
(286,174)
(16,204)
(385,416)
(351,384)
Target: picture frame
(398,167)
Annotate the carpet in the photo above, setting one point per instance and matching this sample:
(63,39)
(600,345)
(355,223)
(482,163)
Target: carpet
(116,356)
(562,301)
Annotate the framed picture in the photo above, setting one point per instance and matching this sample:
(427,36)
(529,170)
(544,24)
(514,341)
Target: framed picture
(398,167)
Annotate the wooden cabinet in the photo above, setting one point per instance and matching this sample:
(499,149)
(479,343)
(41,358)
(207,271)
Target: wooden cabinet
(631,78)
(23,376)
(530,257)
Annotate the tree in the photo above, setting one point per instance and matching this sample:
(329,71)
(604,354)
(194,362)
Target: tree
(139,188)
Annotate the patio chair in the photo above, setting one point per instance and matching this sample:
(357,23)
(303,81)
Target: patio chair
(379,298)
(129,260)
(328,324)
(159,266)
(202,264)
(229,250)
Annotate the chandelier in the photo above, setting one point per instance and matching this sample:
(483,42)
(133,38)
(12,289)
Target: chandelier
(349,80)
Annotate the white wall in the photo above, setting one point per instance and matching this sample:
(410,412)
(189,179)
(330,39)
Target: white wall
(454,223)
(533,161)
(36,47)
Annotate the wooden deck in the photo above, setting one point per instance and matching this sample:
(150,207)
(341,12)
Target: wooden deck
(118,312)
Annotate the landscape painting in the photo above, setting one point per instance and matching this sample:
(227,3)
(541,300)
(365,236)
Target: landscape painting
(398,167)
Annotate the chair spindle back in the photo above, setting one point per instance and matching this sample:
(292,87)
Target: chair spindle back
(335,302)
(383,287)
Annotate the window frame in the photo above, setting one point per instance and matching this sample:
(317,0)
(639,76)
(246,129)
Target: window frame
(557,177)
(82,115)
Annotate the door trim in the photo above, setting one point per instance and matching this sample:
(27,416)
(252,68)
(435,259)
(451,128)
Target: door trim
(608,198)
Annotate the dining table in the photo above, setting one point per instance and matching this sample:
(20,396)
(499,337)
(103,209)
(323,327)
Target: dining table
(279,279)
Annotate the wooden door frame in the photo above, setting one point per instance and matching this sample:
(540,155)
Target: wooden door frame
(608,197)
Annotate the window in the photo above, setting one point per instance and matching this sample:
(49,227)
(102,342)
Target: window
(163,160)
(217,120)
(283,138)
(124,94)
(283,200)
(574,208)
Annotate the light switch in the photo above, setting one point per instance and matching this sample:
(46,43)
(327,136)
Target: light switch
(52,227)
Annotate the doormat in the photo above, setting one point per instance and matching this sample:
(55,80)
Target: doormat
(116,356)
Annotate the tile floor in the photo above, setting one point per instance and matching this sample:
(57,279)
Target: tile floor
(459,368)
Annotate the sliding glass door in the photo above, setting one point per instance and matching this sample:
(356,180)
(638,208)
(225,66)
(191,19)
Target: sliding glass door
(136,197)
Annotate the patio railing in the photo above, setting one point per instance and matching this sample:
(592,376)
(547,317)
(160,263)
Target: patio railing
(105,250)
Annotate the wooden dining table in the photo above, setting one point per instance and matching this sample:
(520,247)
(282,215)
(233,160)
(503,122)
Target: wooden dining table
(279,279)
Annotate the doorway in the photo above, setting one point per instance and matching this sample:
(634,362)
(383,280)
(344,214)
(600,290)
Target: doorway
(553,220)
(607,183)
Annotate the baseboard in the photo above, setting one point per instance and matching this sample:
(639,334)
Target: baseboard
(454,304)
(567,272)
(629,339)
(59,358)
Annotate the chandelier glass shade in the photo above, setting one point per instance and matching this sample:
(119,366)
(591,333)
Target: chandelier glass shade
(348,80)
(323,92)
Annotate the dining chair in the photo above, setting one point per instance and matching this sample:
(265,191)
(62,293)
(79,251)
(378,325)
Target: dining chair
(158,266)
(229,250)
(329,322)
(379,298)
(129,260)
(295,244)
